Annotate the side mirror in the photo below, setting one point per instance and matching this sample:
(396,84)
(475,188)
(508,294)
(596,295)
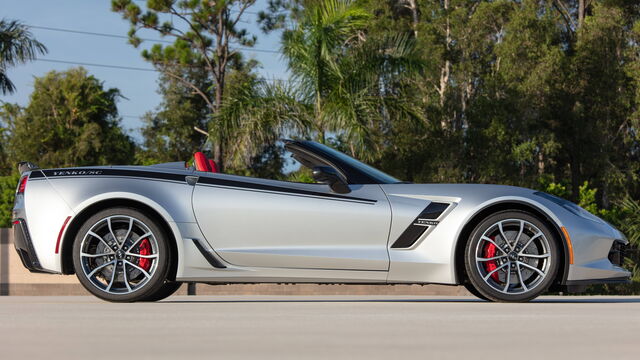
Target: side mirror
(328,175)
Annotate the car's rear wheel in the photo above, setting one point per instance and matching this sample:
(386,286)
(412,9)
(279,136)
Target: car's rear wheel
(470,288)
(121,254)
(511,256)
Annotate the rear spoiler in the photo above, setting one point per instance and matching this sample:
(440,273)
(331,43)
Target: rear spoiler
(25,166)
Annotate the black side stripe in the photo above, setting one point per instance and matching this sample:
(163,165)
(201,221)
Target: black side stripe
(264,187)
(181,177)
(113,172)
(424,221)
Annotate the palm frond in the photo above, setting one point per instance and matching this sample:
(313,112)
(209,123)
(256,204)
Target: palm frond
(17,46)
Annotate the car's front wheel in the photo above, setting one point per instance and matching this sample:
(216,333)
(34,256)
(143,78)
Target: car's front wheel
(512,256)
(121,254)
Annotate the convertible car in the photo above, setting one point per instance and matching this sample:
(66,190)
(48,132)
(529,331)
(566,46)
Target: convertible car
(134,233)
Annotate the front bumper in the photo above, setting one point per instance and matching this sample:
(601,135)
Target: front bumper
(24,247)
(613,263)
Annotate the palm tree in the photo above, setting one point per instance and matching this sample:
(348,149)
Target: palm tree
(17,46)
(343,83)
(313,49)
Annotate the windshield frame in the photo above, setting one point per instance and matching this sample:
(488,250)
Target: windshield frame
(354,170)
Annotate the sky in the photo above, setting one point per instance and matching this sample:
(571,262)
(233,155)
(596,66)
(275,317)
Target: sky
(137,87)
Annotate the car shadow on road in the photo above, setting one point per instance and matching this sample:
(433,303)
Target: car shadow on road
(555,300)
(593,300)
(240,301)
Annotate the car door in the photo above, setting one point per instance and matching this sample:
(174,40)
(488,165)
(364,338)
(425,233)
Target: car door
(267,223)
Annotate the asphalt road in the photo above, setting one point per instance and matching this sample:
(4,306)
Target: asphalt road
(320,327)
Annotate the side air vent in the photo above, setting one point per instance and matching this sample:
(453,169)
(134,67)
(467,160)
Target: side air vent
(422,223)
(207,255)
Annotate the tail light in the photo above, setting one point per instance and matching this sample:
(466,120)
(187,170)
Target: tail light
(22,185)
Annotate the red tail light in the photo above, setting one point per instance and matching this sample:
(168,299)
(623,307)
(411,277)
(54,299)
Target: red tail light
(22,185)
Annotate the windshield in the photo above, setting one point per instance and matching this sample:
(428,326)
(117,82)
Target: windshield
(372,172)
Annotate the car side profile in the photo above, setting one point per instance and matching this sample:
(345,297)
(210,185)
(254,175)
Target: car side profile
(135,233)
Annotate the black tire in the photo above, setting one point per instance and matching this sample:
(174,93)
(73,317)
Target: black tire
(153,283)
(474,291)
(167,289)
(537,248)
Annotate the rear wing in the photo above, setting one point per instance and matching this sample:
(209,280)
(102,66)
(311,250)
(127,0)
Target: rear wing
(25,166)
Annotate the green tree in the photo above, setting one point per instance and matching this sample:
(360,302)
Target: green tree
(17,46)
(168,134)
(70,120)
(204,32)
(346,79)
(7,195)
(313,49)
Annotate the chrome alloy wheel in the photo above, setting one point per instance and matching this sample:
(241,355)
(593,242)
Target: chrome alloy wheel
(119,254)
(513,256)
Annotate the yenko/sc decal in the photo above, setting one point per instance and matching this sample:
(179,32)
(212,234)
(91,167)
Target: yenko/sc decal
(77,172)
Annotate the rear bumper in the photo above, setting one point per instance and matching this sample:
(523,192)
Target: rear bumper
(24,247)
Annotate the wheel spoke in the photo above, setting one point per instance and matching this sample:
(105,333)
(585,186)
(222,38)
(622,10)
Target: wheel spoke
(111,231)
(128,231)
(124,273)
(529,242)
(95,255)
(494,243)
(491,258)
(506,286)
(515,243)
(99,238)
(494,270)
(532,268)
(521,279)
(99,267)
(143,256)
(138,240)
(146,274)
(541,256)
(113,276)
(504,237)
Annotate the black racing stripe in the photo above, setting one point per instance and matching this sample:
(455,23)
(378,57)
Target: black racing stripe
(35,174)
(85,172)
(411,234)
(264,187)
(52,173)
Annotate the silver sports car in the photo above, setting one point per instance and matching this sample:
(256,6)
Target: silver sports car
(134,233)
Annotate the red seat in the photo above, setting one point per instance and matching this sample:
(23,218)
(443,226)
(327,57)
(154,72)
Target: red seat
(213,166)
(204,164)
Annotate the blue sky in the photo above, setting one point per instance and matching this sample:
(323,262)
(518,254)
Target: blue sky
(139,87)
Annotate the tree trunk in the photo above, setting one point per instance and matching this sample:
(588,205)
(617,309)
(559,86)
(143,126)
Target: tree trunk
(445,71)
(582,7)
(413,7)
(318,107)
(218,147)
(575,179)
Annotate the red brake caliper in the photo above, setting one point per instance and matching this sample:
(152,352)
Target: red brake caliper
(145,249)
(489,252)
